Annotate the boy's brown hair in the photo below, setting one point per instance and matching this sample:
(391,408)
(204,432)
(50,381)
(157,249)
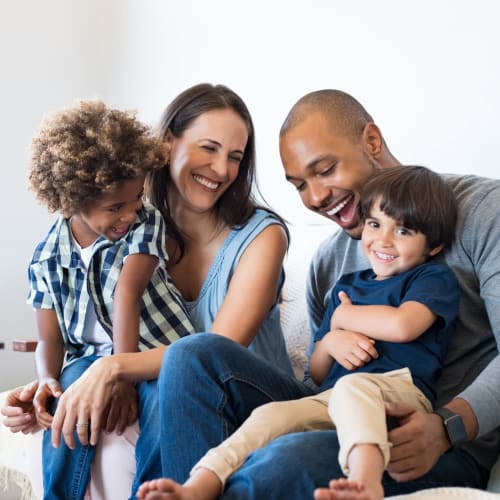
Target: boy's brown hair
(418,198)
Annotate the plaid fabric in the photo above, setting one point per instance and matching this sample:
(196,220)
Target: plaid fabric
(58,280)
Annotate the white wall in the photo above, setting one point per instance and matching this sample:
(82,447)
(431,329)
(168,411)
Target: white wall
(427,71)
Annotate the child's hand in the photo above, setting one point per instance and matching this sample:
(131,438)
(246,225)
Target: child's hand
(344,301)
(122,409)
(48,388)
(350,349)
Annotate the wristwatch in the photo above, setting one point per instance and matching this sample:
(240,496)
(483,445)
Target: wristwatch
(454,426)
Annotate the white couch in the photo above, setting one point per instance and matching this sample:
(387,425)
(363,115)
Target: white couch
(15,448)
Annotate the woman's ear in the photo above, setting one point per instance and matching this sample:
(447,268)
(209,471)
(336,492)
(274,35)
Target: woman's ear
(434,251)
(372,140)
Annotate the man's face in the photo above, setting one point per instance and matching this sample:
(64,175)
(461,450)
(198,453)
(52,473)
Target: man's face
(328,170)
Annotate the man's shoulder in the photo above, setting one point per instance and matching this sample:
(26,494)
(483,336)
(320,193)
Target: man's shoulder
(337,241)
(339,250)
(472,190)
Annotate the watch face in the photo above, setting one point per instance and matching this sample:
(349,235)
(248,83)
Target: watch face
(456,429)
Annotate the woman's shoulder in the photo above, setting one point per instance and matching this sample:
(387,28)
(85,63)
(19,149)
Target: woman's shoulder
(261,216)
(258,222)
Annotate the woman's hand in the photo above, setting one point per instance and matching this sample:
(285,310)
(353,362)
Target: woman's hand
(82,406)
(18,410)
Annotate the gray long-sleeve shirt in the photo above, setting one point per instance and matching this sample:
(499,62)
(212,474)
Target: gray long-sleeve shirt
(472,367)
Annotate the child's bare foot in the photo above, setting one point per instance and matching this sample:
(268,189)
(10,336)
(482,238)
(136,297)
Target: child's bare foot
(202,485)
(161,489)
(347,489)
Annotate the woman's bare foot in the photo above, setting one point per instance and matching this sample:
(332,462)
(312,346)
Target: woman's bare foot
(347,489)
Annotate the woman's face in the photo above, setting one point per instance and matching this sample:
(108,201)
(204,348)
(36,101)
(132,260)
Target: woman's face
(205,159)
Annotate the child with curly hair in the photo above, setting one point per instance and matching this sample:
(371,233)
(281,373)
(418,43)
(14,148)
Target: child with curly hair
(97,280)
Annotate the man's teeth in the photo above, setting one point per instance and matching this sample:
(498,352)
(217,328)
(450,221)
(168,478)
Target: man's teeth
(384,256)
(339,207)
(205,182)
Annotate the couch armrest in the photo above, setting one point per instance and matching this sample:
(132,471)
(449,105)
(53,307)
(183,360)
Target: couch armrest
(24,345)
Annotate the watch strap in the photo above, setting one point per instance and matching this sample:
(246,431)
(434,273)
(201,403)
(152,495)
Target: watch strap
(454,426)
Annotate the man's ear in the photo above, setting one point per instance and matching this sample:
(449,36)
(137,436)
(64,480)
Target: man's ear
(434,251)
(373,141)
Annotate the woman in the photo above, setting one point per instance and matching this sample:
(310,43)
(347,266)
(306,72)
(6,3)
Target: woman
(225,258)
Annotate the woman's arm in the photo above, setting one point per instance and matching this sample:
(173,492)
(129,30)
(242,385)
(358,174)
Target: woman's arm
(253,288)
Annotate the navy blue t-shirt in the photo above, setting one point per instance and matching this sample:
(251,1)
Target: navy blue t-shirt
(431,284)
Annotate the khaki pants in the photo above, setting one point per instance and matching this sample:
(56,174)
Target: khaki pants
(355,407)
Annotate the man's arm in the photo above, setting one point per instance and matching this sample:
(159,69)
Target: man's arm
(475,258)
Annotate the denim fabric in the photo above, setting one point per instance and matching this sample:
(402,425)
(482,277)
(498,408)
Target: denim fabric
(66,472)
(208,386)
(147,449)
(292,466)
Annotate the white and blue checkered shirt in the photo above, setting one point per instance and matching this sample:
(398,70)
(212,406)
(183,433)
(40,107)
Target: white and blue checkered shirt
(58,280)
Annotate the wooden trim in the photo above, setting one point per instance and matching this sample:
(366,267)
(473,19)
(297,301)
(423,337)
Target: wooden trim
(24,345)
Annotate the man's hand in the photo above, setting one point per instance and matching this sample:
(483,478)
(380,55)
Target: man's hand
(18,409)
(122,409)
(417,443)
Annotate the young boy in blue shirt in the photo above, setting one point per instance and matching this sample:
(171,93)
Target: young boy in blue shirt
(383,339)
(97,280)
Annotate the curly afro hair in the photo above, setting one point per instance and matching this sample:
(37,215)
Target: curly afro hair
(81,153)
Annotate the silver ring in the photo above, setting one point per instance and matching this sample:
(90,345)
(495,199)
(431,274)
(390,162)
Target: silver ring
(82,425)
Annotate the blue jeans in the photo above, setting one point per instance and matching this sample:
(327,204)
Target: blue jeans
(66,472)
(147,450)
(304,461)
(208,385)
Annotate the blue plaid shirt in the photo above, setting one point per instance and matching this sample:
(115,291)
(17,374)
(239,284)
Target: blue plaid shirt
(58,280)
